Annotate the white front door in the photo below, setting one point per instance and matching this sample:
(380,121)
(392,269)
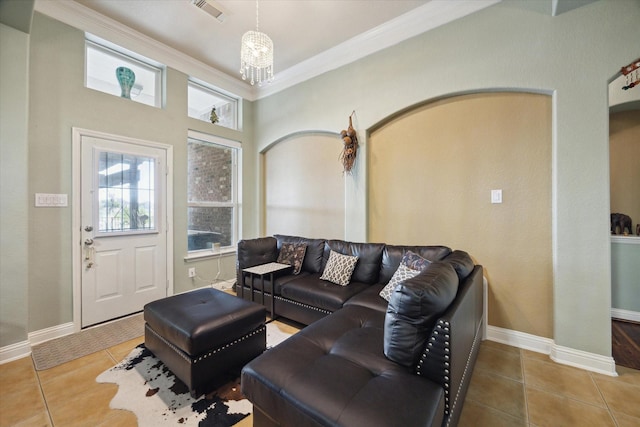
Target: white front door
(123,220)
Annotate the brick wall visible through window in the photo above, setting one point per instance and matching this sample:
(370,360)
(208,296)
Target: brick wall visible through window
(210,195)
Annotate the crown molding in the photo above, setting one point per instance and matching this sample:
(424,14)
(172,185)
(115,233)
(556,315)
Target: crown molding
(85,19)
(424,18)
(420,20)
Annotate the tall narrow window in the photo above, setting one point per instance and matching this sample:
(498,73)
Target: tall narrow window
(212,192)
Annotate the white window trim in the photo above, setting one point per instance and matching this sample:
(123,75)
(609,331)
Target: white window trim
(235,194)
(222,94)
(114,50)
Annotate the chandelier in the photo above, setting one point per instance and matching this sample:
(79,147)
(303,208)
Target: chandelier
(256,55)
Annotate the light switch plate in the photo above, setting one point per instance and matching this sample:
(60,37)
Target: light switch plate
(496,196)
(51,200)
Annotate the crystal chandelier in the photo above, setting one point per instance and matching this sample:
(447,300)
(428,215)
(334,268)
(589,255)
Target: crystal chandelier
(256,55)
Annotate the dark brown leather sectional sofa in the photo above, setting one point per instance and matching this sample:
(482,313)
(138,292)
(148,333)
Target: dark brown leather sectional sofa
(363,361)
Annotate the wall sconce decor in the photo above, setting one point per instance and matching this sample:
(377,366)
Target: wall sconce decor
(350,149)
(632,73)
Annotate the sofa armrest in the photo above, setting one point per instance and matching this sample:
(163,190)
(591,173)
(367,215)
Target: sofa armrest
(252,252)
(451,350)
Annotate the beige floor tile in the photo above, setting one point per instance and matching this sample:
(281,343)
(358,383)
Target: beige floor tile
(21,369)
(563,380)
(552,410)
(625,375)
(476,415)
(620,396)
(68,386)
(119,418)
(39,420)
(500,346)
(73,366)
(625,420)
(500,362)
(23,404)
(120,351)
(88,408)
(528,354)
(497,392)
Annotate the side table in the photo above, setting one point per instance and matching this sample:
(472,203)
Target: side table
(261,271)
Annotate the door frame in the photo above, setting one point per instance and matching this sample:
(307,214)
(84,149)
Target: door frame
(76,219)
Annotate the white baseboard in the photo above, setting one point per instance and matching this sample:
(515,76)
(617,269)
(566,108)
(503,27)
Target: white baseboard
(618,313)
(520,339)
(53,332)
(564,355)
(584,360)
(15,351)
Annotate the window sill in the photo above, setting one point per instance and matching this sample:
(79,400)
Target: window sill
(210,253)
(629,240)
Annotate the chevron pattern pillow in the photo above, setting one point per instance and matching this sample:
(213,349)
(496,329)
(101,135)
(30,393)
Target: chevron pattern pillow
(339,268)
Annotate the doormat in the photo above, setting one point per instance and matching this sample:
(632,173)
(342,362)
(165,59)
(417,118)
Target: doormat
(65,349)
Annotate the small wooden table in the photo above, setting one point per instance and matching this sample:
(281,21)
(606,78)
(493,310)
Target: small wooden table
(261,271)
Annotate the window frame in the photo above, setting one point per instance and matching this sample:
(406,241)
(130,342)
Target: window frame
(218,93)
(127,56)
(236,185)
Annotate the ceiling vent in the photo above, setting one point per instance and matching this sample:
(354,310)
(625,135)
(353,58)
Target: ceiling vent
(211,8)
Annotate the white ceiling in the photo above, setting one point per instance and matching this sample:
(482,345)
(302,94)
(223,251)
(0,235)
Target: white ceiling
(299,29)
(310,36)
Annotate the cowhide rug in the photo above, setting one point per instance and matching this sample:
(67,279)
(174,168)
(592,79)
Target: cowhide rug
(149,389)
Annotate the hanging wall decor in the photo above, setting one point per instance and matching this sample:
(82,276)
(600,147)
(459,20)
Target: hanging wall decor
(632,73)
(350,148)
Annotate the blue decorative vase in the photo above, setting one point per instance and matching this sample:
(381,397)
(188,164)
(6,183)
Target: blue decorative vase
(126,78)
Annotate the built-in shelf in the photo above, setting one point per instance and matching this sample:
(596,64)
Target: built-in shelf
(630,240)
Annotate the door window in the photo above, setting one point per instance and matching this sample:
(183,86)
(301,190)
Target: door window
(126,193)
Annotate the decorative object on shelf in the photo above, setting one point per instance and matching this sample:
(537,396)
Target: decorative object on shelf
(350,149)
(622,222)
(256,55)
(214,117)
(632,73)
(126,79)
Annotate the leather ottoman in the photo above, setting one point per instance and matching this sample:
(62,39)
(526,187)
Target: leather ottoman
(204,334)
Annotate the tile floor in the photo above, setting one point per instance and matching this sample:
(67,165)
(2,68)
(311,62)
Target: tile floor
(509,387)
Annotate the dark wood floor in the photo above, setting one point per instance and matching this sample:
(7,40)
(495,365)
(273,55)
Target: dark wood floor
(626,343)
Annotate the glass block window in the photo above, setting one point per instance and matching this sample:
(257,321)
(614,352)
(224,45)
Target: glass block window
(203,99)
(126,193)
(101,63)
(212,191)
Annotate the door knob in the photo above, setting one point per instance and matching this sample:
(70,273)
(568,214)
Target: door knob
(88,228)
(88,242)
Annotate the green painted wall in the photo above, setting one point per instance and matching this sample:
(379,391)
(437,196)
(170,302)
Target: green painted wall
(58,102)
(572,57)
(14,178)
(625,275)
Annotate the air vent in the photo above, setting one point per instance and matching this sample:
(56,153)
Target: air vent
(208,6)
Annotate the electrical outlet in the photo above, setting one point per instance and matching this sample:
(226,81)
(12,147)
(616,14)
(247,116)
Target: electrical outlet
(192,272)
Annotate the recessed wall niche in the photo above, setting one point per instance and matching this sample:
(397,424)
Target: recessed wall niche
(624,158)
